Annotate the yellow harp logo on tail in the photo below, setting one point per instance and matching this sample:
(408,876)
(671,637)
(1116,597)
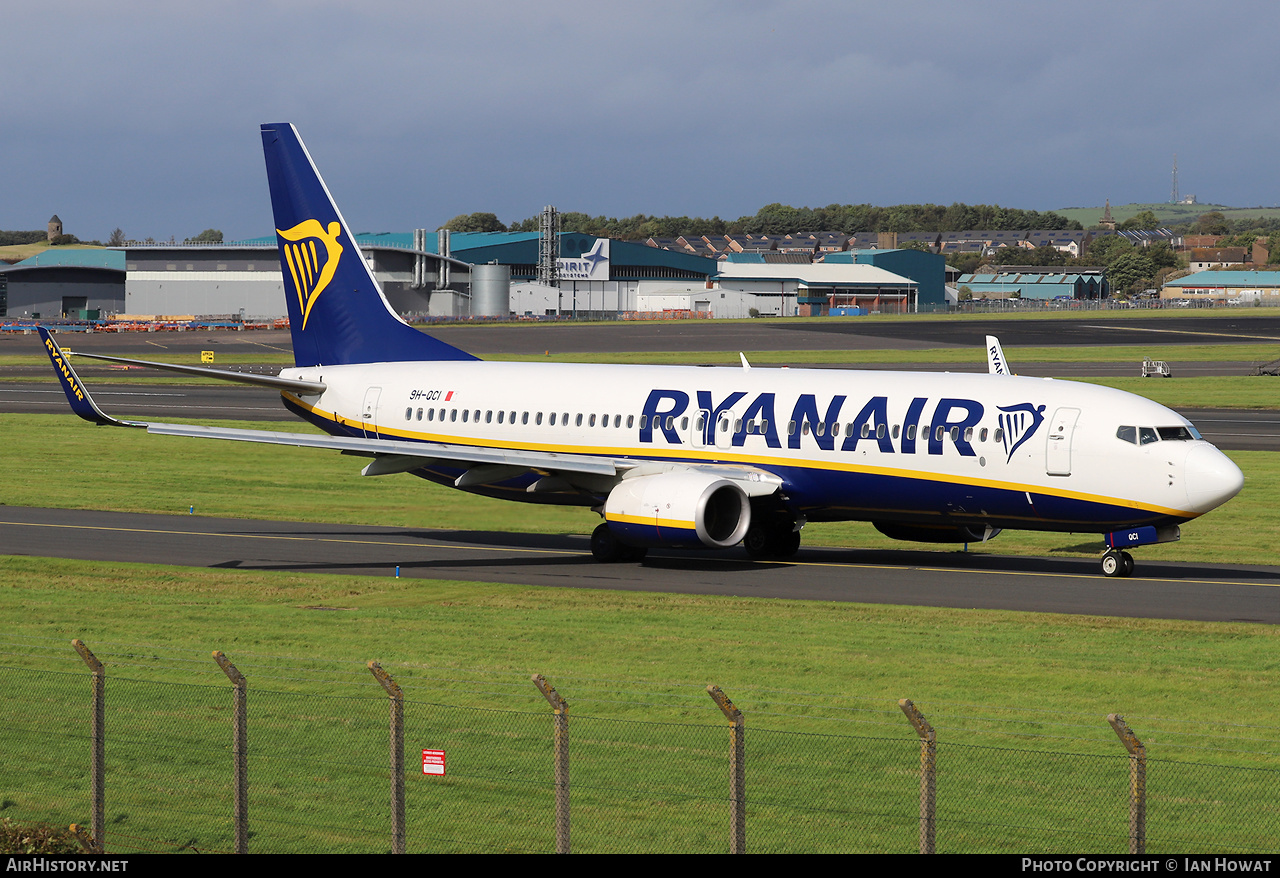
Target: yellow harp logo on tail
(311,267)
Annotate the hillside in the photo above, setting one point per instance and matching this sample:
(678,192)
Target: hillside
(18,252)
(1168,213)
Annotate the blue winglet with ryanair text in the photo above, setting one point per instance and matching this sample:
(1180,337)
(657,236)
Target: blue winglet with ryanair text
(337,313)
(81,402)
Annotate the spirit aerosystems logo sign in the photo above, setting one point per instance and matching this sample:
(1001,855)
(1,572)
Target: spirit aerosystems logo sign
(593,265)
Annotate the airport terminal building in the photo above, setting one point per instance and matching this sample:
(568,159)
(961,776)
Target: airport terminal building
(475,274)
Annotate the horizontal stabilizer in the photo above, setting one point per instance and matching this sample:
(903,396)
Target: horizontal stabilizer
(294,384)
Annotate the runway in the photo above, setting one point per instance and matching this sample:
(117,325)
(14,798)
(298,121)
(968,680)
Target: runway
(1202,592)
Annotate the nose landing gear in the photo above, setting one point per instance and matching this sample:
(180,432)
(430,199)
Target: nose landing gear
(1117,563)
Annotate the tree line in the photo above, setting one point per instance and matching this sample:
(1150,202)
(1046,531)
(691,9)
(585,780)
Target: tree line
(781,219)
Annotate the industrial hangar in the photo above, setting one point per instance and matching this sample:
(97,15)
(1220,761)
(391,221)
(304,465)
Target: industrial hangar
(459,275)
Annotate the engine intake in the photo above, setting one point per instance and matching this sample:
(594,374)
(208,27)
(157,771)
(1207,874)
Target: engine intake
(678,509)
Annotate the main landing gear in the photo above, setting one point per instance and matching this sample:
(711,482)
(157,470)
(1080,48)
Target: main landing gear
(772,539)
(606,548)
(1117,563)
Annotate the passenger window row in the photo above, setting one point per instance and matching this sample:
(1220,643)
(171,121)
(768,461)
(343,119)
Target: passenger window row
(752,427)
(490,417)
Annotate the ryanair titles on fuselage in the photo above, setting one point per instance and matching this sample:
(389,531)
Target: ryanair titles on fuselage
(952,417)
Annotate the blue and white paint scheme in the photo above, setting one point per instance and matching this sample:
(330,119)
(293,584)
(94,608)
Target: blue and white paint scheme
(707,457)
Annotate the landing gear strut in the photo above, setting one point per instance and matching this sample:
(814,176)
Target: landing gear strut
(1117,563)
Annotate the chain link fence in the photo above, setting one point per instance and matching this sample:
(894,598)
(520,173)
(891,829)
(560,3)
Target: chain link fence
(320,775)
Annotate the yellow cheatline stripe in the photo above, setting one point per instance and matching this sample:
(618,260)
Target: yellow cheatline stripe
(694,455)
(735,560)
(650,520)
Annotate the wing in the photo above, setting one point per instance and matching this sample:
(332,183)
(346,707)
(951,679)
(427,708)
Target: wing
(483,465)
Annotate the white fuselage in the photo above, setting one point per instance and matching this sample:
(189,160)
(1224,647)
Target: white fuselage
(868,445)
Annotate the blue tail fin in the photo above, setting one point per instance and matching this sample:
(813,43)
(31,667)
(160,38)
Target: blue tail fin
(337,314)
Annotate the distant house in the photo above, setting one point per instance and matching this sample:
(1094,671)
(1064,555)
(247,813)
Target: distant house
(1203,258)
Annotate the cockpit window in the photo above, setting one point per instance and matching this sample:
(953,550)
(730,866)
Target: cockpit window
(1147,435)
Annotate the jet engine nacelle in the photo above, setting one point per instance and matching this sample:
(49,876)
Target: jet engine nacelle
(678,509)
(924,533)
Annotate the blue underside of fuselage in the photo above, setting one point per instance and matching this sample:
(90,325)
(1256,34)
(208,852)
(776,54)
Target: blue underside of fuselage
(839,495)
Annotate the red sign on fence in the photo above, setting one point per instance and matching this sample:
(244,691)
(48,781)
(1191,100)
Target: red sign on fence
(433,762)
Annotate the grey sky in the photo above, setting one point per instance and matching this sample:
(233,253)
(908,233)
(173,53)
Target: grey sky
(139,116)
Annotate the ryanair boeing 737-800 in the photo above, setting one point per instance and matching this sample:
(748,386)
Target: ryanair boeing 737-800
(673,456)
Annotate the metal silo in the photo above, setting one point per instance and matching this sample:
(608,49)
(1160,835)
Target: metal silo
(490,290)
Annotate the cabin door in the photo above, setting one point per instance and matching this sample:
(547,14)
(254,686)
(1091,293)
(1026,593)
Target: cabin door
(1057,453)
(369,414)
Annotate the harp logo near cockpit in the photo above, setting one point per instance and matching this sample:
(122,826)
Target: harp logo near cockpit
(1019,423)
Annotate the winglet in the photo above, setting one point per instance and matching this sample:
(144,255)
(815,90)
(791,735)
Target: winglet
(996,363)
(81,402)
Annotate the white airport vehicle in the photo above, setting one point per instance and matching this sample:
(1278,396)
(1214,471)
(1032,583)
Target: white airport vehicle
(674,456)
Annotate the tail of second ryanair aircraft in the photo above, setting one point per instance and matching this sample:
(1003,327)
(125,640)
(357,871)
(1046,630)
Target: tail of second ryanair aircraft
(337,314)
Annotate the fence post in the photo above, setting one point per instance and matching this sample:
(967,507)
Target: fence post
(737,771)
(928,775)
(561,709)
(397,755)
(98,745)
(239,749)
(1137,783)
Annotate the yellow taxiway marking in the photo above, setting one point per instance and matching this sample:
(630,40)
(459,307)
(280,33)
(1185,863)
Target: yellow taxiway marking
(848,565)
(1186,332)
(281,537)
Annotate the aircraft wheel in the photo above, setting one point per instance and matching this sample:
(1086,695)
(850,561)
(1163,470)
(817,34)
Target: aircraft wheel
(605,547)
(1112,564)
(1126,562)
(759,542)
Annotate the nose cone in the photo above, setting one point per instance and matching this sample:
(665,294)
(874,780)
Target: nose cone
(1212,478)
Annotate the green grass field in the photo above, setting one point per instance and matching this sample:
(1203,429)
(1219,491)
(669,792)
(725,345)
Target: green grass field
(1169,214)
(1019,702)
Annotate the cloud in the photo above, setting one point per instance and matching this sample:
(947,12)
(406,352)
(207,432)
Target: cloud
(145,116)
